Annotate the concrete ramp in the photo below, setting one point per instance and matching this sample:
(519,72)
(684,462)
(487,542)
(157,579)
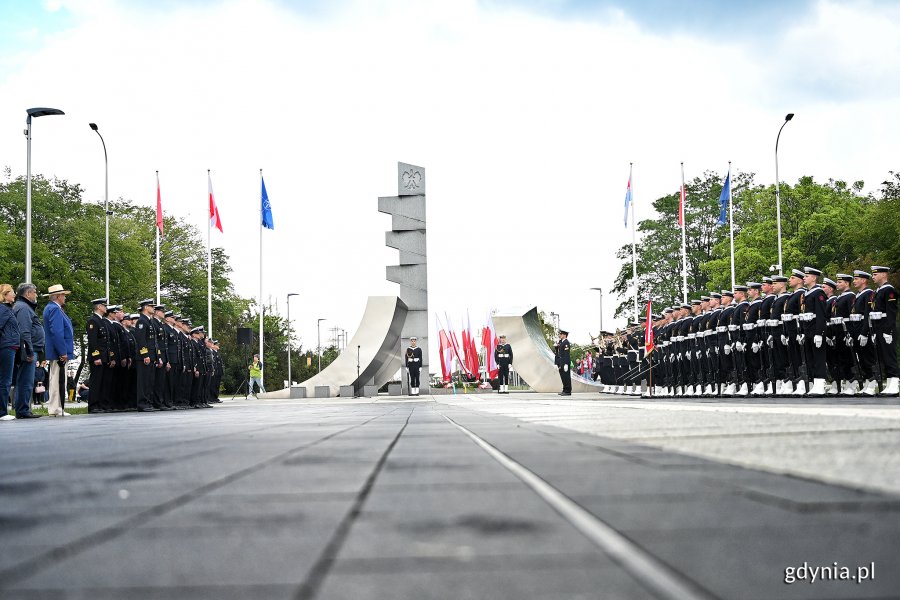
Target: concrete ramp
(378,338)
(532,359)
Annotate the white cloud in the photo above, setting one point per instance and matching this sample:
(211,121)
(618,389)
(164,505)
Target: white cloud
(525,124)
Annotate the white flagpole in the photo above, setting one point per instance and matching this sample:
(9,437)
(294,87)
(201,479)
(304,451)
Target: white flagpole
(731,222)
(633,246)
(209,326)
(157,241)
(682,202)
(262,371)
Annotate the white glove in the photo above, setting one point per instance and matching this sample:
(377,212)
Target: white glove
(771,341)
(888,338)
(698,352)
(784,340)
(755,347)
(830,342)
(727,349)
(848,340)
(817,340)
(863,340)
(801,338)
(565,368)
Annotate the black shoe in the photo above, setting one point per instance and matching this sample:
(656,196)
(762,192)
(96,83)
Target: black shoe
(164,408)
(28,416)
(565,394)
(147,409)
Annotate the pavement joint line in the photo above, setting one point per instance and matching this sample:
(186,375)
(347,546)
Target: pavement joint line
(51,558)
(312,583)
(645,568)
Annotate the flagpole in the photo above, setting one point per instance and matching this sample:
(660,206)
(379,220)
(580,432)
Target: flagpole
(262,369)
(209,326)
(683,238)
(633,246)
(731,223)
(157,241)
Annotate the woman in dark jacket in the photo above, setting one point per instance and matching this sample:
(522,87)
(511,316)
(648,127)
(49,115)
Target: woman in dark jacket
(9,345)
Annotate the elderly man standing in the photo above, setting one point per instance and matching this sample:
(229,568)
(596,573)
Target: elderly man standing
(31,345)
(59,337)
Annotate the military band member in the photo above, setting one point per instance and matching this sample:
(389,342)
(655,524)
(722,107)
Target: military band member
(884,330)
(503,357)
(413,362)
(563,360)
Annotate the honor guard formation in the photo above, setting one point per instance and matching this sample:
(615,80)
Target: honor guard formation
(149,361)
(783,336)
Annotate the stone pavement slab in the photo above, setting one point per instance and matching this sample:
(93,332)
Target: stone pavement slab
(391,499)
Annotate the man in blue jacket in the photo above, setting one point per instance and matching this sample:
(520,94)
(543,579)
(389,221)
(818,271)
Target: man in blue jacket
(31,344)
(60,346)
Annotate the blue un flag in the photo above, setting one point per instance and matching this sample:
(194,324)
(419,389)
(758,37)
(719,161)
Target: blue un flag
(267,220)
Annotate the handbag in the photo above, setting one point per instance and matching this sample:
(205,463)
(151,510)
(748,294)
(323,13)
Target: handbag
(39,388)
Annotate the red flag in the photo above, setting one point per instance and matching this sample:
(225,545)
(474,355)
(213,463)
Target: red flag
(159,216)
(214,219)
(681,208)
(648,334)
(489,341)
(454,344)
(471,350)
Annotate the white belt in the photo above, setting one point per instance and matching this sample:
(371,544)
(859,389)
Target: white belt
(691,336)
(787,317)
(772,323)
(875,316)
(665,344)
(733,328)
(679,338)
(749,326)
(806,316)
(762,323)
(503,356)
(708,332)
(632,352)
(837,320)
(856,317)
(721,329)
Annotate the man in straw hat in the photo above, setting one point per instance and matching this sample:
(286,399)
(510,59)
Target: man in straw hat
(59,347)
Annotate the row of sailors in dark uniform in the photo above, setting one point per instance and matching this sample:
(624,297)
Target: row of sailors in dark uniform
(762,339)
(149,361)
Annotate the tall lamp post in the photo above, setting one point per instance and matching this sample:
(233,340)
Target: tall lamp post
(106,204)
(778,193)
(290,381)
(319,343)
(32,112)
(601,307)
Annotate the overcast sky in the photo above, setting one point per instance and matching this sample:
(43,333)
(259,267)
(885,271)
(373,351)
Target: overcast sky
(525,115)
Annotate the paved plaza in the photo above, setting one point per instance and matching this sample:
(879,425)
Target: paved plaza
(459,497)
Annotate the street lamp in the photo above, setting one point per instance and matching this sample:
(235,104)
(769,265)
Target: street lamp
(778,193)
(601,307)
(32,112)
(289,337)
(106,204)
(319,343)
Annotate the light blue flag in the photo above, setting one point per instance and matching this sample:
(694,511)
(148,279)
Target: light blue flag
(627,201)
(723,201)
(267,221)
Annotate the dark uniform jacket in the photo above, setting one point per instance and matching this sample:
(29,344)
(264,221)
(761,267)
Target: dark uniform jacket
(98,339)
(814,303)
(884,307)
(562,353)
(413,358)
(145,339)
(503,355)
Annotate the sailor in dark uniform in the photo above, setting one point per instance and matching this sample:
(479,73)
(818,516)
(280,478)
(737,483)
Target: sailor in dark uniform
(860,332)
(813,321)
(739,347)
(413,362)
(764,329)
(563,360)
(884,330)
(840,318)
(130,387)
(832,334)
(780,357)
(98,354)
(164,401)
(790,317)
(145,341)
(503,356)
(754,338)
(118,400)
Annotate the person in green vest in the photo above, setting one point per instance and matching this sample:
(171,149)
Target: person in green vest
(255,369)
